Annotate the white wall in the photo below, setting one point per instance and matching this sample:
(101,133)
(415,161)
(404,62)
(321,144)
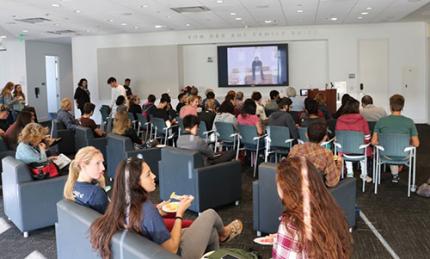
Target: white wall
(35,52)
(12,63)
(407,48)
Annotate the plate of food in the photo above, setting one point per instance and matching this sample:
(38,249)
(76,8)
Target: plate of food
(170,207)
(265,241)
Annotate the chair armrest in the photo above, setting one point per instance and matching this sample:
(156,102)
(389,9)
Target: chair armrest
(255,206)
(260,137)
(410,149)
(363,146)
(300,141)
(379,147)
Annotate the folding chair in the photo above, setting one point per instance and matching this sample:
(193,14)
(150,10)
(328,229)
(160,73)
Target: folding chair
(225,135)
(395,149)
(278,141)
(142,123)
(353,149)
(303,135)
(160,128)
(248,136)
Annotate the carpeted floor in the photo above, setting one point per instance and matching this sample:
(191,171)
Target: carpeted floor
(400,220)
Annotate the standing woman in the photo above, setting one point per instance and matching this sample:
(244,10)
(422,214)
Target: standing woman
(85,182)
(312,224)
(6,94)
(19,98)
(82,94)
(130,208)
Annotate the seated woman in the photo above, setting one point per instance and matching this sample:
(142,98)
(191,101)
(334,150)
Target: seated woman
(121,104)
(247,116)
(312,221)
(312,115)
(130,208)
(225,114)
(135,106)
(85,181)
(352,120)
(4,122)
(11,135)
(209,113)
(122,126)
(87,122)
(191,107)
(65,116)
(31,148)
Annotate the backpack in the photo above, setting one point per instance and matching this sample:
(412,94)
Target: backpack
(424,190)
(232,253)
(45,170)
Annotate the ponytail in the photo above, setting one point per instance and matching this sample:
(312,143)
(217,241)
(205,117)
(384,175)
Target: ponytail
(71,180)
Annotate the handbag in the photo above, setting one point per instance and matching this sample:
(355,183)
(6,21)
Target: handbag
(45,170)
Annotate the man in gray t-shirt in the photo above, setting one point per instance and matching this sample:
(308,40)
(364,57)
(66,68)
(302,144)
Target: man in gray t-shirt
(283,118)
(369,111)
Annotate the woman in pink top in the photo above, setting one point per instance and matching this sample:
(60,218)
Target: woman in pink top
(312,224)
(191,107)
(247,116)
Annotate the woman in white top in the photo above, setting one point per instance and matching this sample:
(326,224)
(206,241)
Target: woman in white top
(260,112)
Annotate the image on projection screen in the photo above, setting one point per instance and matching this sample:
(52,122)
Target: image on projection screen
(253,65)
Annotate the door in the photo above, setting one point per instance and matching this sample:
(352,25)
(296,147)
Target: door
(373,70)
(52,83)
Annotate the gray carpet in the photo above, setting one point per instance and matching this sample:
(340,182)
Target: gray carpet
(401,221)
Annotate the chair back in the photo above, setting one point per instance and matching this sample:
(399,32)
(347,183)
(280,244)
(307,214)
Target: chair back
(83,137)
(159,125)
(141,119)
(248,133)
(202,129)
(117,146)
(225,130)
(302,134)
(109,125)
(394,144)
(180,124)
(350,141)
(131,116)
(105,111)
(278,135)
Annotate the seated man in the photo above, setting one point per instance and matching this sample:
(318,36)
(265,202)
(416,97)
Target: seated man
(87,122)
(396,123)
(190,140)
(321,158)
(283,118)
(369,111)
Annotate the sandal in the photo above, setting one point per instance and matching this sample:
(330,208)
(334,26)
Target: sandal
(235,227)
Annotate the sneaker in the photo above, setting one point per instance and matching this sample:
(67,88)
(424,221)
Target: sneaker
(396,178)
(366,178)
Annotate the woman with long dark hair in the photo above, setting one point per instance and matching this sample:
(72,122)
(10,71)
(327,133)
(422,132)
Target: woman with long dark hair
(82,94)
(248,116)
(12,133)
(130,208)
(312,224)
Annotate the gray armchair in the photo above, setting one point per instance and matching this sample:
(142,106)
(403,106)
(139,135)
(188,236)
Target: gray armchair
(183,171)
(151,156)
(85,137)
(4,152)
(28,203)
(72,237)
(67,144)
(267,207)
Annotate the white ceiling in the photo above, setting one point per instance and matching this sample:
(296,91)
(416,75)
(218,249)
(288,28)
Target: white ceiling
(96,17)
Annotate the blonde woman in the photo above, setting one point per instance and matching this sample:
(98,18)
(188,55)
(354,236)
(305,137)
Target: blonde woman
(31,148)
(191,107)
(122,126)
(85,183)
(65,116)
(6,94)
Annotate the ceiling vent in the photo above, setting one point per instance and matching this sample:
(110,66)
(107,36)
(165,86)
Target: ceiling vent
(191,9)
(61,32)
(33,20)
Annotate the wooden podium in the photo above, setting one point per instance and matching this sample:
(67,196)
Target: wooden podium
(330,97)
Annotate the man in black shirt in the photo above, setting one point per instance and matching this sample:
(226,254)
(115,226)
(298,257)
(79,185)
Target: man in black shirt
(257,65)
(127,87)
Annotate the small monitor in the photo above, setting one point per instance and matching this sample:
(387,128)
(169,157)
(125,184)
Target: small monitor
(304,92)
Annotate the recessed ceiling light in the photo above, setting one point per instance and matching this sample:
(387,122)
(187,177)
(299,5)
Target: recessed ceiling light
(123,24)
(3,37)
(56,24)
(136,27)
(158,26)
(359,17)
(364,13)
(77,11)
(333,18)
(268,21)
(55,5)
(24,31)
(144,6)
(110,20)
(238,19)
(300,11)
(369,8)
(233,14)
(220,1)
(188,25)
